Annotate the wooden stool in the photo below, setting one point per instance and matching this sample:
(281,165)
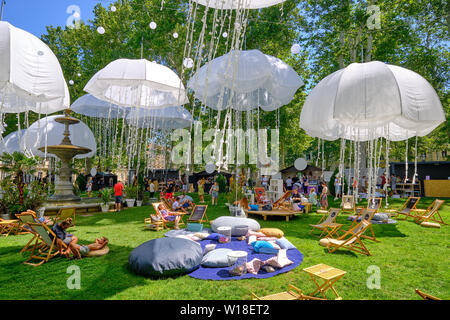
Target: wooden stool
(329,274)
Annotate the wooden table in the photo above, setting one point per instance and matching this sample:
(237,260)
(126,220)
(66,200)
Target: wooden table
(329,274)
(9,226)
(308,206)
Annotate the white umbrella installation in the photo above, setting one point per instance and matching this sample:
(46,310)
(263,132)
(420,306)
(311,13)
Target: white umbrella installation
(11,143)
(244,81)
(137,83)
(367,101)
(31,78)
(47,131)
(238,4)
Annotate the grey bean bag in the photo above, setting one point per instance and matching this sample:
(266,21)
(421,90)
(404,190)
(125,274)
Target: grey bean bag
(227,221)
(165,257)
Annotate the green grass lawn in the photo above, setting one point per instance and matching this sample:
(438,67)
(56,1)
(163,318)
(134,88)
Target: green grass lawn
(409,256)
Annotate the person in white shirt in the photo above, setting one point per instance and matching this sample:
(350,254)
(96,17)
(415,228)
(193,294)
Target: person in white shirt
(152,190)
(289,183)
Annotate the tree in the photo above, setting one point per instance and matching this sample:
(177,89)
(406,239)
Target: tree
(17,164)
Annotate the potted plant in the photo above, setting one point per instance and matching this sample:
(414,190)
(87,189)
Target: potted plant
(106,194)
(131,195)
(140,197)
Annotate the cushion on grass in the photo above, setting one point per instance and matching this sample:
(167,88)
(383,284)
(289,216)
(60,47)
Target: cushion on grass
(254,265)
(98,253)
(285,243)
(165,257)
(279,261)
(254,207)
(201,235)
(324,242)
(272,232)
(380,217)
(264,247)
(251,239)
(227,221)
(217,258)
(430,224)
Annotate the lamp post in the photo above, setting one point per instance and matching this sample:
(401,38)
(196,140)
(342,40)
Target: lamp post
(1,10)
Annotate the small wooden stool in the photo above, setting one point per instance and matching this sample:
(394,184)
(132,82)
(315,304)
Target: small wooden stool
(329,274)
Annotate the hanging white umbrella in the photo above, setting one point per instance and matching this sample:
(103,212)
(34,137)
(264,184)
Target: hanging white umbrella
(11,143)
(137,83)
(90,106)
(245,80)
(47,131)
(167,118)
(238,4)
(365,101)
(31,77)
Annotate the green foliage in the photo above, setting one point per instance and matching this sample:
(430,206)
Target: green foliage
(235,193)
(222,181)
(81,182)
(33,198)
(106,194)
(131,192)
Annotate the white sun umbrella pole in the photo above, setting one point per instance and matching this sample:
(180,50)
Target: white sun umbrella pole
(415,164)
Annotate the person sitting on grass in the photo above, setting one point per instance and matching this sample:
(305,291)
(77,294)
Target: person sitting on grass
(80,251)
(188,199)
(169,216)
(179,204)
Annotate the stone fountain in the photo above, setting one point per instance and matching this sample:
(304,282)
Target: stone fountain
(65,151)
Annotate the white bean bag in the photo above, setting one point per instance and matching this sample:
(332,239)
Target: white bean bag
(227,221)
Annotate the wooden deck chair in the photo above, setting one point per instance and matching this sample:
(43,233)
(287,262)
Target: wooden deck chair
(350,240)
(8,227)
(426,296)
(281,203)
(374,203)
(327,222)
(365,215)
(348,204)
(166,223)
(65,213)
(408,208)
(259,192)
(199,214)
(431,214)
(46,245)
(293,293)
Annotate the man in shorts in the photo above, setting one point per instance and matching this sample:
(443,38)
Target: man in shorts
(118,193)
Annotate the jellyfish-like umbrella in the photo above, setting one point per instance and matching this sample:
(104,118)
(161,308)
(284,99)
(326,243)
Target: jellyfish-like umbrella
(47,131)
(365,101)
(137,83)
(245,80)
(90,106)
(238,4)
(31,77)
(11,143)
(167,118)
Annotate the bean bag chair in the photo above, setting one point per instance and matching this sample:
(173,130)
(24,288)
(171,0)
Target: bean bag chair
(233,222)
(165,257)
(217,258)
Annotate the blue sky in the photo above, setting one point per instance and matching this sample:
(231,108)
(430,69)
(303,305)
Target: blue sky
(34,15)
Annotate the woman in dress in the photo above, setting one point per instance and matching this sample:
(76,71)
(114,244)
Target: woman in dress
(89,187)
(324,197)
(201,190)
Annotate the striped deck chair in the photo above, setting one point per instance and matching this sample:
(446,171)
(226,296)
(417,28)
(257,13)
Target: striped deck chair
(282,201)
(426,296)
(167,223)
(374,203)
(365,215)
(65,213)
(431,214)
(348,204)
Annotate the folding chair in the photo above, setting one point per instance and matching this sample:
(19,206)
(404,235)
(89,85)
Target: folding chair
(327,223)
(8,227)
(426,296)
(293,293)
(65,213)
(350,240)
(348,204)
(374,203)
(281,202)
(408,207)
(259,192)
(46,244)
(431,213)
(165,222)
(199,214)
(365,215)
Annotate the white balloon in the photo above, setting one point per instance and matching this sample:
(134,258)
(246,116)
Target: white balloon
(71,82)
(101,30)
(210,168)
(93,172)
(225,34)
(153,25)
(175,35)
(188,63)
(113,9)
(295,49)
(300,164)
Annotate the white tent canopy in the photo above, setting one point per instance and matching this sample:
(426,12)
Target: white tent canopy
(245,80)
(166,118)
(90,106)
(31,77)
(365,101)
(47,131)
(137,83)
(238,4)
(11,143)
